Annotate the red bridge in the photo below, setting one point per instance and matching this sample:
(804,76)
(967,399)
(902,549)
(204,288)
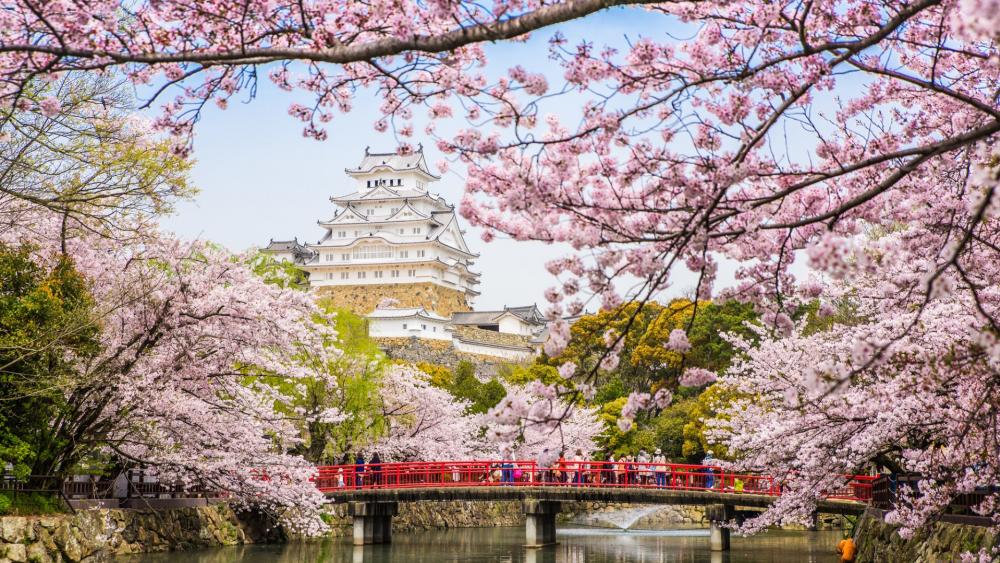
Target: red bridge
(374,491)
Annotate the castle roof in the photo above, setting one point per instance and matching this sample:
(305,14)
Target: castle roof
(393,238)
(297,249)
(404,313)
(528,314)
(393,161)
(383,193)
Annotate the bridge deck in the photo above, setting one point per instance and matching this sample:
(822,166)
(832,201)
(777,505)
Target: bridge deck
(630,482)
(566,494)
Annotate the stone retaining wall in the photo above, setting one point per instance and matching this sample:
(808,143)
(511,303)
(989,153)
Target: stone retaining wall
(879,542)
(98,534)
(362,299)
(438,352)
(417,516)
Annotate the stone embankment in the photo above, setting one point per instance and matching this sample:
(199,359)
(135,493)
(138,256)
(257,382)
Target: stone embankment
(438,352)
(417,516)
(879,542)
(95,535)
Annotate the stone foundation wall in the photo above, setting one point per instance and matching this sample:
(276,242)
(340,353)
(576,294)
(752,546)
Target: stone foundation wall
(879,542)
(474,334)
(98,534)
(416,516)
(362,299)
(437,352)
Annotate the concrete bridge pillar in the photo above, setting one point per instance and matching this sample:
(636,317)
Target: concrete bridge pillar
(372,521)
(719,514)
(540,522)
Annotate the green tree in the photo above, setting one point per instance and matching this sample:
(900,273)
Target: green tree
(353,392)
(521,374)
(45,320)
(481,396)
(645,362)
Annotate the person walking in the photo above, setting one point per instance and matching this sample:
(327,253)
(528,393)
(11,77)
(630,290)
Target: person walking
(642,463)
(560,472)
(609,470)
(359,470)
(578,467)
(506,469)
(630,476)
(660,469)
(375,464)
(709,471)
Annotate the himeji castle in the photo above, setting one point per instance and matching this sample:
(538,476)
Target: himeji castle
(395,252)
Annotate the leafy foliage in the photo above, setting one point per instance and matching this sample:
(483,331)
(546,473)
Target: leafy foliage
(45,325)
(645,359)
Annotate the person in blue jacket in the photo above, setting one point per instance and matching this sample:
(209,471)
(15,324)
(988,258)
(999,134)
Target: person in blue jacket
(359,470)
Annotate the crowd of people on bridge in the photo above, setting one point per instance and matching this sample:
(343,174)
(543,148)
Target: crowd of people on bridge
(626,470)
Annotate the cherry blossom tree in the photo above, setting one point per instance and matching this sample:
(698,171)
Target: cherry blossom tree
(181,327)
(532,422)
(427,423)
(883,387)
(424,422)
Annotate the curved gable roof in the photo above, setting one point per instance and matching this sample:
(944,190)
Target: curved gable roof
(348,211)
(393,161)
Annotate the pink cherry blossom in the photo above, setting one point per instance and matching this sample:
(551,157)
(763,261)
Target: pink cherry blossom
(696,377)
(678,341)
(49,106)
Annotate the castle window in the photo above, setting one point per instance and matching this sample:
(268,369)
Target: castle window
(423,326)
(341,234)
(345,257)
(361,275)
(395,273)
(401,231)
(369,251)
(411,273)
(420,253)
(378,274)
(345,275)
(416,230)
(404,326)
(404,253)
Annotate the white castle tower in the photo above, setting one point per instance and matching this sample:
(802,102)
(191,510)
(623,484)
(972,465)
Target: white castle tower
(392,238)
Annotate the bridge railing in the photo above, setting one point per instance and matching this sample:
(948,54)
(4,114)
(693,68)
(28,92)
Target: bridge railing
(513,473)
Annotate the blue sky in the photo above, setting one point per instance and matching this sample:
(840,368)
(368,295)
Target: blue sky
(260,178)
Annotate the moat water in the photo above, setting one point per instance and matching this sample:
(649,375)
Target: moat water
(505,545)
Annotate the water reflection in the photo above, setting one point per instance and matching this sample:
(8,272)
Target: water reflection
(505,545)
